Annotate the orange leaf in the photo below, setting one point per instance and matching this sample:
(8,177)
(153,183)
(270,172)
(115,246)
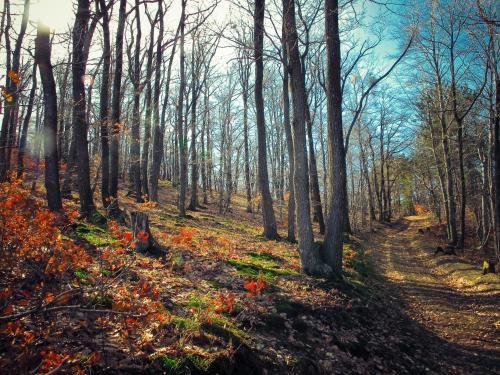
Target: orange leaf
(49,297)
(14,77)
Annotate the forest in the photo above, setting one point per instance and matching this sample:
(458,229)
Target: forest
(249,187)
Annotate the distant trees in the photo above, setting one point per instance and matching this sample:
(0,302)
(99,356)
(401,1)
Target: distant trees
(457,76)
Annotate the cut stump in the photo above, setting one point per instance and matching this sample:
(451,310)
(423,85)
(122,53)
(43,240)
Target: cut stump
(144,240)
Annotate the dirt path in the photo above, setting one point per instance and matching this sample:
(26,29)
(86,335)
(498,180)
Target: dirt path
(449,298)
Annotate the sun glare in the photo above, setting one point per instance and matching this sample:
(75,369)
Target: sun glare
(54,13)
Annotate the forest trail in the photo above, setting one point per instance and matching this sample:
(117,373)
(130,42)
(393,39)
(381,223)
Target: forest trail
(443,294)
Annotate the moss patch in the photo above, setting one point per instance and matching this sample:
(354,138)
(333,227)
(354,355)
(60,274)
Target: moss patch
(94,234)
(269,270)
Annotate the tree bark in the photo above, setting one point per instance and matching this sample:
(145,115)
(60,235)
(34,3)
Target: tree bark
(309,253)
(270,231)
(182,141)
(7,136)
(135,134)
(104,105)
(26,123)
(289,143)
(42,59)
(80,31)
(143,239)
(313,174)
(336,155)
(114,149)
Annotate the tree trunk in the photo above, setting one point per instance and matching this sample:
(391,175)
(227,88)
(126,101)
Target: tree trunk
(496,151)
(289,143)
(159,132)
(114,149)
(182,141)
(26,123)
(80,31)
(42,59)
(203,151)
(143,239)
(336,155)
(313,174)
(270,231)
(7,136)
(159,125)
(194,101)
(135,134)
(104,105)
(245,76)
(149,113)
(309,253)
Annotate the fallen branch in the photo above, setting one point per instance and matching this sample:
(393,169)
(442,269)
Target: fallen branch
(20,315)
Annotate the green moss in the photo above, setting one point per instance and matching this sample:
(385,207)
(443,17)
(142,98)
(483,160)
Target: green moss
(200,363)
(107,272)
(263,257)
(186,364)
(83,276)
(185,323)
(269,271)
(169,363)
(94,234)
(197,302)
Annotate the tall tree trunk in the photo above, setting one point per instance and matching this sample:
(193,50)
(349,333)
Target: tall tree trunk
(104,105)
(244,73)
(336,155)
(203,151)
(313,174)
(309,253)
(289,143)
(182,141)
(496,153)
(159,124)
(194,101)
(63,88)
(135,134)
(159,129)
(42,59)
(26,123)
(270,231)
(149,112)
(11,109)
(114,149)
(80,31)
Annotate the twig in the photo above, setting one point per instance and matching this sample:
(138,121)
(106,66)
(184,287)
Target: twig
(58,368)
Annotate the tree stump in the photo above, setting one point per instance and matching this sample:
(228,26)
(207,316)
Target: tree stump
(144,240)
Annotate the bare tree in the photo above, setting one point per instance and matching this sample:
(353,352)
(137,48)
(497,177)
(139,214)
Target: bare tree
(42,60)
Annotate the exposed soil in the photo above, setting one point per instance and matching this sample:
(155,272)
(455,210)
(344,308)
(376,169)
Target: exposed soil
(449,298)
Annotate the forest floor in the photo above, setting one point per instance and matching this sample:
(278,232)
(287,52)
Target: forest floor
(448,297)
(223,300)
